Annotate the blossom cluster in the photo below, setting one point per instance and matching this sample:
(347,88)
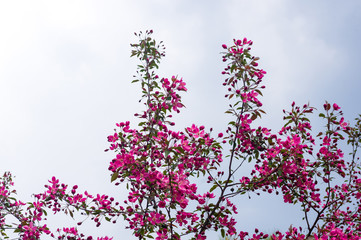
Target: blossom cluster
(160,166)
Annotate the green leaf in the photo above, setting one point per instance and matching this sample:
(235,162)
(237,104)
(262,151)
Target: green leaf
(229,181)
(232,123)
(288,123)
(180,149)
(71,214)
(305,119)
(259,92)
(262,111)
(223,233)
(256,154)
(212,188)
(114,176)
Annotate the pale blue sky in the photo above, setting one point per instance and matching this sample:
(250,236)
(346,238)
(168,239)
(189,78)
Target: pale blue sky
(65,77)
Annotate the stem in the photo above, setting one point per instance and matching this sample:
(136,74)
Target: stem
(171,192)
(221,197)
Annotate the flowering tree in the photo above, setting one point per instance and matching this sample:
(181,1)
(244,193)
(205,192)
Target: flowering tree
(161,167)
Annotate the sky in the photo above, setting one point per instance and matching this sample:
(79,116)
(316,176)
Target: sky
(65,76)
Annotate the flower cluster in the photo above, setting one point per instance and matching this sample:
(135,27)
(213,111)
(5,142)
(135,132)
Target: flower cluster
(160,166)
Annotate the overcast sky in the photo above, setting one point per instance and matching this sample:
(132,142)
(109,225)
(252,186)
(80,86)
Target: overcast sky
(65,76)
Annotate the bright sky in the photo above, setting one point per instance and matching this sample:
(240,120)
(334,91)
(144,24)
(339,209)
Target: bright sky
(65,76)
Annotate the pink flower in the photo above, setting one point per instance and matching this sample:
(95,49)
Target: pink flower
(182,86)
(336,107)
(287,198)
(162,235)
(296,140)
(161,204)
(326,141)
(343,124)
